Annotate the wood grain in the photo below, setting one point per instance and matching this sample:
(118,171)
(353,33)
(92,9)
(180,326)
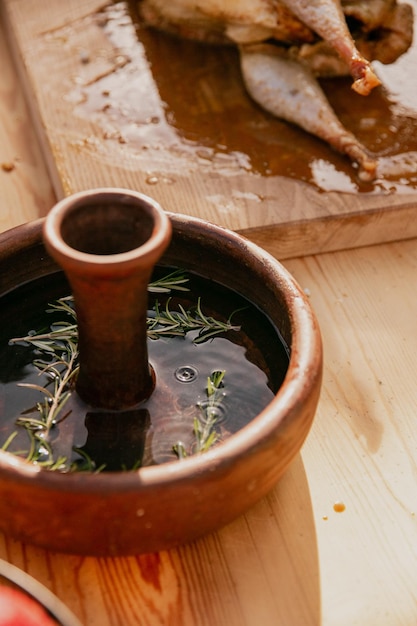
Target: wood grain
(362,448)
(292,559)
(67,60)
(25,188)
(261,569)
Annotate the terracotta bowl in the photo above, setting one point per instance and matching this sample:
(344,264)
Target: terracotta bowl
(159,507)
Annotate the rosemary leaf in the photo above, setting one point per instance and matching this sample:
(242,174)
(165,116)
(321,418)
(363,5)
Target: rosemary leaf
(9,440)
(174,280)
(167,322)
(204,425)
(43,390)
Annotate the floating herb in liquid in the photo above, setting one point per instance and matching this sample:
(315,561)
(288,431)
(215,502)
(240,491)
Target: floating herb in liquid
(254,360)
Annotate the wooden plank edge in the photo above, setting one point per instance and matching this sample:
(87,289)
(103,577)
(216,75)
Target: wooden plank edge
(28,93)
(331,233)
(286,240)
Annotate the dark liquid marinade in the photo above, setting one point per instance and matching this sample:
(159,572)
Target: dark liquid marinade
(182,105)
(255,359)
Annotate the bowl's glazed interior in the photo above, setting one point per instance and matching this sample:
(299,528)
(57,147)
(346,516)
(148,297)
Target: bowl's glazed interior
(161,506)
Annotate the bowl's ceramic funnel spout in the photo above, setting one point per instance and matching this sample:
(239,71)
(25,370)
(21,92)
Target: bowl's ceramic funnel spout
(107,241)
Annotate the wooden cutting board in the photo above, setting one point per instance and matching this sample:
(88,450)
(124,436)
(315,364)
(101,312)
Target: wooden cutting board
(118,105)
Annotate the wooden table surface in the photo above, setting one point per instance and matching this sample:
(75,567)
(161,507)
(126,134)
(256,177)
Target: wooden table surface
(292,560)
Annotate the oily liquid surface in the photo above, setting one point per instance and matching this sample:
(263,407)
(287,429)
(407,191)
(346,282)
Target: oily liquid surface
(255,360)
(177,105)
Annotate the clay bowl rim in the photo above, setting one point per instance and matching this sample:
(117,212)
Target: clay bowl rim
(305,366)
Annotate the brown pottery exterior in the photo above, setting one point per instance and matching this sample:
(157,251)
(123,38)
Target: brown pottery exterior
(108,242)
(159,507)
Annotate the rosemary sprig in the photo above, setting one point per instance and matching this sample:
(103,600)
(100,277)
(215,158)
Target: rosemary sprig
(64,331)
(51,341)
(204,431)
(60,372)
(175,280)
(204,424)
(8,441)
(161,323)
(166,322)
(59,363)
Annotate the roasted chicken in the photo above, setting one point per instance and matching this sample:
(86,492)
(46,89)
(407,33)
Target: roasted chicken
(286,44)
